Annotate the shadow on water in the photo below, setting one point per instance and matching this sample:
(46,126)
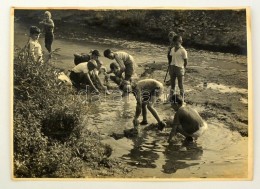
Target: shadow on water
(176,159)
(148,152)
(143,153)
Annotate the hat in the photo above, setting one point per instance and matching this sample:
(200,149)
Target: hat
(96,53)
(35,30)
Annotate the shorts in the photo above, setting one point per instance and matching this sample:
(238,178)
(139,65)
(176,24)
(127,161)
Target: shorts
(129,70)
(176,71)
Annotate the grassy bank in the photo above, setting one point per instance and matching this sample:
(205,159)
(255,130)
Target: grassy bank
(216,30)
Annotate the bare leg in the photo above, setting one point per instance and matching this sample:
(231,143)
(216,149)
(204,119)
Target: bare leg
(152,110)
(144,113)
(180,84)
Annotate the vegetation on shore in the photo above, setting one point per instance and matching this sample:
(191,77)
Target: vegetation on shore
(215,30)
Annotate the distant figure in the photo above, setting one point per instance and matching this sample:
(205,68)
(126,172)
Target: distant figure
(48,24)
(179,61)
(171,35)
(125,61)
(34,47)
(80,74)
(187,121)
(146,92)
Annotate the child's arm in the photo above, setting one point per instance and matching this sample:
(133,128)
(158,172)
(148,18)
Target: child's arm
(185,57)
(99,80)
(174,127)
(49,22)
(90,82)
(138,108)
(185,62)
(121,64)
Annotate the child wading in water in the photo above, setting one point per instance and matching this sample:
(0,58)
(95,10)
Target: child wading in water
(187,121)
(146,92)
(34,47)
(48,29)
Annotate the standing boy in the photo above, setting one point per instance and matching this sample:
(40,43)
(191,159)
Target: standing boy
(179,61)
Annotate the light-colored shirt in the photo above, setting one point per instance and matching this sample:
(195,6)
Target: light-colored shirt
(123,57)
(82,67)
(178,56)
(35,50)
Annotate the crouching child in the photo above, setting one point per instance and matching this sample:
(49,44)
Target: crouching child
(187,121)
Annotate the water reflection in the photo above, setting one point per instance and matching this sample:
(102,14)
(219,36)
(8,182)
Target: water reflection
(177,159)
(142,155)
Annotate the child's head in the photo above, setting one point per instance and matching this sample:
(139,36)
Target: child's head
(171,36)
(34,32)
(176,102)
(47,15)
(95,54)
(114,66)
(108,54)
(92,65)
(177,40)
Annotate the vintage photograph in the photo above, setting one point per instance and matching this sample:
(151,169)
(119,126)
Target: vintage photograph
(151,94)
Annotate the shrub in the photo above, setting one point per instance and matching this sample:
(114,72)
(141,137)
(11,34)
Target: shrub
(48,137)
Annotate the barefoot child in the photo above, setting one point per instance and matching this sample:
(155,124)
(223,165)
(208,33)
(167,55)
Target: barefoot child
(146,92)
(48,24)
(187,121)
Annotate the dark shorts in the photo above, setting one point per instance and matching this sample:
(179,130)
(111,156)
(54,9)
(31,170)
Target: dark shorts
(176,71)
(49,37)
(129,70)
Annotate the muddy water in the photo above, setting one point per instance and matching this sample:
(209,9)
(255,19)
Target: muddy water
(219,153)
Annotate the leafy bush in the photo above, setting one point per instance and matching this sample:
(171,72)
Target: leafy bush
(47,133)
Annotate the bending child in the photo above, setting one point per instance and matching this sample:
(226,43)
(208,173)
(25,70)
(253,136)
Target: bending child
(146,92)
(80,74)
(125,61)
(187,121)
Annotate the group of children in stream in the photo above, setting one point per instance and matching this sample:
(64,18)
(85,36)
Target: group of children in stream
(87,68)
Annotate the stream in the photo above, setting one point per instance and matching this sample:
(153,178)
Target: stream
(219,153)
